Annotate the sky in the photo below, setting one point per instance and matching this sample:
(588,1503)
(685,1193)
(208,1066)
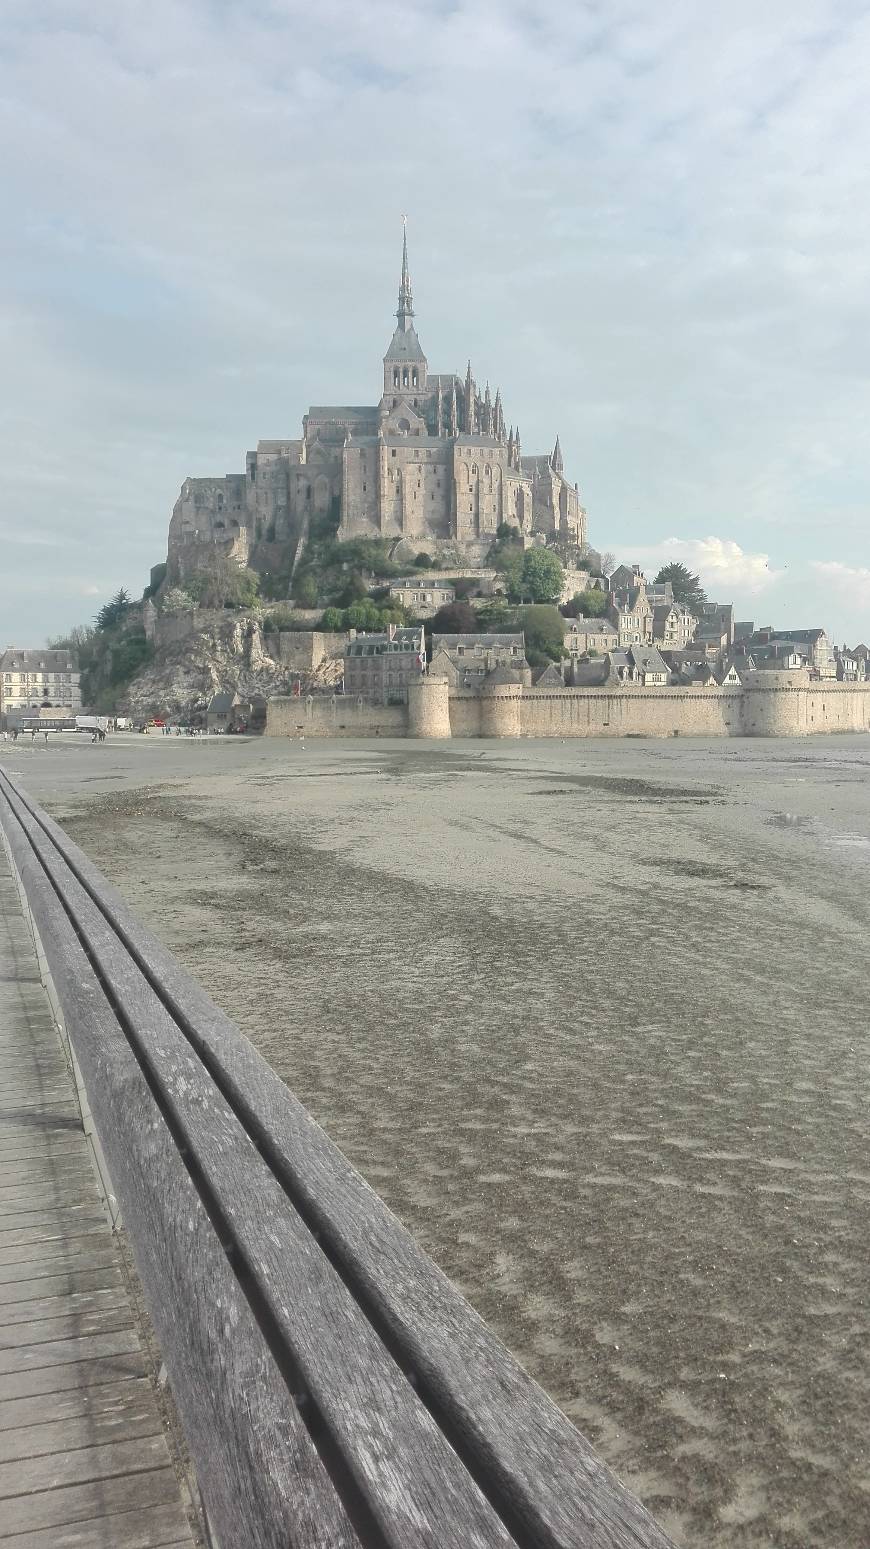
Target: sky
(647,221)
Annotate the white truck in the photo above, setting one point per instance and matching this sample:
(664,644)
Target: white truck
(92,723)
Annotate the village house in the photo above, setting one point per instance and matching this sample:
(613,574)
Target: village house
(585,635)
(222,710)
(812,644)
(466,659)
(673,625)
(422,598)
(379,667)
(31,679)
(630,611)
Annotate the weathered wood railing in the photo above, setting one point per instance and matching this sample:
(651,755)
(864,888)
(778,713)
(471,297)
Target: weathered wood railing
(335,1388)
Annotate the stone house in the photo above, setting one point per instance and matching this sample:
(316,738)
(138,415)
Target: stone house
(812,644)
(585,635)
(648,667)
(222,710)
(29,679)
(673,625)
(379,667)
(631,614)
(422,598)
(467,659)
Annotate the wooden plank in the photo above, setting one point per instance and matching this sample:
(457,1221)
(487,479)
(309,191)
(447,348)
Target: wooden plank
(62,1221)
(69,1173)
(76,1404)
(98,1497)
(74,1325)
(68,1304)
(30,1475)
(151,1527)
(41,1254)
(74,1375)
(73,1283)
(65,1352)
(103,1426)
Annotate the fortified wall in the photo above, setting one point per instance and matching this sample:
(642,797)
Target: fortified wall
(791,706)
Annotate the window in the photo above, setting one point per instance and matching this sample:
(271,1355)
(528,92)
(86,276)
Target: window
(395,384)
(394,451)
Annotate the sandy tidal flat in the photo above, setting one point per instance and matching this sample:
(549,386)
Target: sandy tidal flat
(593,1019)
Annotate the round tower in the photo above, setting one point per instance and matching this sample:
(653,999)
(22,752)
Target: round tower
(775,703)
(429,708)
(500,709)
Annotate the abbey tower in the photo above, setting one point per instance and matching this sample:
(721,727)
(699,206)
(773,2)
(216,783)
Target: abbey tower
(432,465)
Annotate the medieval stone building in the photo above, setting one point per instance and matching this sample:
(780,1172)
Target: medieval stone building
(433,464)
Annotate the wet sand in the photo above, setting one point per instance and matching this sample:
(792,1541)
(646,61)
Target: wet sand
(592,1018)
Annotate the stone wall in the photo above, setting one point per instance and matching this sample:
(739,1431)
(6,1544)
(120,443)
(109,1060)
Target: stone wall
(789,709)
(342,716)
(302,650)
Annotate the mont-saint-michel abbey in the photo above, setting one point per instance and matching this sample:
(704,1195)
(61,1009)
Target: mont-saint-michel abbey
(434,463)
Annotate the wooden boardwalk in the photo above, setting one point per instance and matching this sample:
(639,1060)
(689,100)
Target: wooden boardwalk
(83,1457)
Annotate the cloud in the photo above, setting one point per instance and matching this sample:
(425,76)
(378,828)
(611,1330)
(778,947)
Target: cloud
(720,562)
(647,223)
(851,583)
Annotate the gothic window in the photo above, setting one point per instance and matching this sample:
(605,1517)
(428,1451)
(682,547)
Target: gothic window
(414,378)
(405,378)
(395,381)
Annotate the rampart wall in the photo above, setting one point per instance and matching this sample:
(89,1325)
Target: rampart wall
(787,709)
(341,716)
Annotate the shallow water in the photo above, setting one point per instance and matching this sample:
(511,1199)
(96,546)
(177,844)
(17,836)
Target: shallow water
(592,1018)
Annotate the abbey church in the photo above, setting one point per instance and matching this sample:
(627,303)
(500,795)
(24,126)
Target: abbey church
(433,466)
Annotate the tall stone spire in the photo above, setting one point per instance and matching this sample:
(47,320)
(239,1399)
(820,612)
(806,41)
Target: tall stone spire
(498,416)
(487,412)
(406,300)
(454,418)
(517,455)
(470,396)
(556,462)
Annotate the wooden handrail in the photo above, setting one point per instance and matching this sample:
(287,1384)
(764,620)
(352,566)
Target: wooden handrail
(335,1388)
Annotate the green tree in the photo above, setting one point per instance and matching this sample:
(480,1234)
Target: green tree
(542,576)
(128,657)
(591,604)
(544,629)
(305,590)
(455,618)
(333,619)
(111,613)
(176,600)
(686,586)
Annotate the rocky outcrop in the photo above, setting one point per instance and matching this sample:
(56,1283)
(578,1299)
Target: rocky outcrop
(226,653)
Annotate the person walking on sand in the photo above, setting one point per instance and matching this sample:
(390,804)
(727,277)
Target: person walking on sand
(45,734)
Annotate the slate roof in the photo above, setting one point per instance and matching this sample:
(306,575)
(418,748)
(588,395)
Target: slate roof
(12,660)
(478,643)
(405,345)
(221,704)
(647,659)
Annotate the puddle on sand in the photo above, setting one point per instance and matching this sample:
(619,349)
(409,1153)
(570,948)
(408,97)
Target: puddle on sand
(789,820)
(851,842)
